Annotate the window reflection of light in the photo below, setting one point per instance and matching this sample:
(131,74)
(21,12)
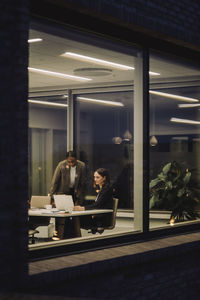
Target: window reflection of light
(188,105)
(97,60)
(173,96)
(56,74)
(185,121)
(46,103)
(34,40)
(97,101)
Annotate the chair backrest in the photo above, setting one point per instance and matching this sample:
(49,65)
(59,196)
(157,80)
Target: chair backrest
(114,213)
(40,201)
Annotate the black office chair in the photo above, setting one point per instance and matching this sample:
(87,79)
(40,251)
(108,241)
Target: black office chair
(111,222)
(31,235)
(113,215)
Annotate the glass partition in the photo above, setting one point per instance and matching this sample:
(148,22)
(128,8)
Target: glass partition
(174,142)
(104,138)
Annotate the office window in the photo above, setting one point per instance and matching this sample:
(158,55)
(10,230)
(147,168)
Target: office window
(81,97)
(174,141)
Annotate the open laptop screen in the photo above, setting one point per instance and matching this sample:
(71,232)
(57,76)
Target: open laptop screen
(64,202)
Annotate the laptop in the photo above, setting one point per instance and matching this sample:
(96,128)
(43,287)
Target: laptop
(64,202)
(40,201)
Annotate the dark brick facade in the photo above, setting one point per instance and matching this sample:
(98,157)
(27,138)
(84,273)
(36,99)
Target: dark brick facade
(14,19)
(175,21)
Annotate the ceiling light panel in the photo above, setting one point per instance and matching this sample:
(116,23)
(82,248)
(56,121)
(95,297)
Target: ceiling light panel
(173,96)
(102,102)
(97,61)
(56,74)
(46,103)
(187,105)
(185,121)
(35,40)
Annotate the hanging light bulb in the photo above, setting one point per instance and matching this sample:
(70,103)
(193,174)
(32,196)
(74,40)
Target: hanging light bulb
(153,141)
(127,135)
(117,140)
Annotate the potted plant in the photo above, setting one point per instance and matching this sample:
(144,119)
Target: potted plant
(174,190)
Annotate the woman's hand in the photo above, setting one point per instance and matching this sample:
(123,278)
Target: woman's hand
(78,207)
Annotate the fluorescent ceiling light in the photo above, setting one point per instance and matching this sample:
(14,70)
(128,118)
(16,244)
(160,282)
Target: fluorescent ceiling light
(154,73)
(180,138)
(102,62)
(34,40)
(97,61)
(177,97)
(189,105)
(103,102)
(46,103)
(185,121)
(56,74)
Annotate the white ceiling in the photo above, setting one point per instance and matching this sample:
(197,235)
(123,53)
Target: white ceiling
(46,55)
(182,79)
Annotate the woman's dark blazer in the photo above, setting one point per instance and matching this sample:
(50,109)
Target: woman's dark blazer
(104,199)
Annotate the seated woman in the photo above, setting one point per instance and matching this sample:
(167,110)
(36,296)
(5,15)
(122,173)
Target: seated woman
(104,200)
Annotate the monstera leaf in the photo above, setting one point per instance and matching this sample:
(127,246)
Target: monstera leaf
(173,190)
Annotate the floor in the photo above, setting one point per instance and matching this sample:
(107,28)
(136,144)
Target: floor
(124,223)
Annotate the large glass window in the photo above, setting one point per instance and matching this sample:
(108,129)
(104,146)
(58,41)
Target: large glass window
(81,97)
(174,141)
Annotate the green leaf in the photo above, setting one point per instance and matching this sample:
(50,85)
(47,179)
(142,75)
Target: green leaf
(181,192)
(166,168)
(169,185)
(154,182)
(154,199)
(162,177)
(187,177)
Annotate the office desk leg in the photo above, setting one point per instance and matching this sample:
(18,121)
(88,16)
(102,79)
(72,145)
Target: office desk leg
(77,228)
(68,228)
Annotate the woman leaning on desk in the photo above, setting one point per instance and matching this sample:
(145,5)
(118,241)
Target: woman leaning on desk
(104,200)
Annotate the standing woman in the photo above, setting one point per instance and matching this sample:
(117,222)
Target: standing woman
(104,200)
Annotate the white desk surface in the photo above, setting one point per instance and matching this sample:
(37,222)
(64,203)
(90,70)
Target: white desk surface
(57,214)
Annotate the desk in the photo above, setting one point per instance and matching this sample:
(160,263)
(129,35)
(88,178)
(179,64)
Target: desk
(74,215)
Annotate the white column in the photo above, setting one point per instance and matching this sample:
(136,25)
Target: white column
(70,122)
(140,141)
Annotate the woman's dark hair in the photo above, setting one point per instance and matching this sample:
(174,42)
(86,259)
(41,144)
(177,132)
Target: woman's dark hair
(71,153)
(104,173)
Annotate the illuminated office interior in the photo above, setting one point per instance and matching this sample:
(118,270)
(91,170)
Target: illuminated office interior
(85,94)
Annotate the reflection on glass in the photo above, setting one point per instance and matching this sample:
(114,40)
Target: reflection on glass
(87,93)
(174,159)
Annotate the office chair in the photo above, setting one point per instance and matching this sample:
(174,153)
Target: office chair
(112,221)
(31,234)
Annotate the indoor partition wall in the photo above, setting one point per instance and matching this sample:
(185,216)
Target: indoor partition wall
(47,139)
(174,142)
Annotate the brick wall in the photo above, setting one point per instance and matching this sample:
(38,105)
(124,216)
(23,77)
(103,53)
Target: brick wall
(14,19)
(173,19)
(167,273)
(170,18)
